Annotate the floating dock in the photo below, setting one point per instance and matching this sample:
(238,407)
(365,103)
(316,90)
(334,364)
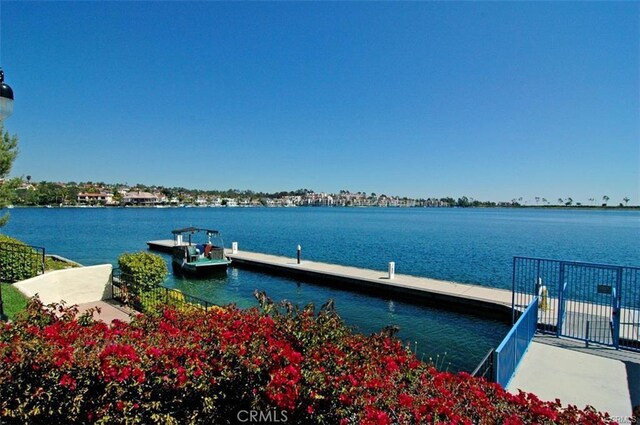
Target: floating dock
(469,298)
(473,299)
(164,245)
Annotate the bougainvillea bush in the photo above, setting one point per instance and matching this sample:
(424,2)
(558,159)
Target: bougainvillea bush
(193,366)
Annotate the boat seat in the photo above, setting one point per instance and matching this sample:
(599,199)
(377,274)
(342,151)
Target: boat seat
(207,249)
(192,253)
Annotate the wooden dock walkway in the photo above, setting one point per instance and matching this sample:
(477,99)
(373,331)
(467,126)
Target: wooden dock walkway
(469,298)
(164,245)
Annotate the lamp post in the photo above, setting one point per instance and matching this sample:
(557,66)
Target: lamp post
(6,98)
(6,109)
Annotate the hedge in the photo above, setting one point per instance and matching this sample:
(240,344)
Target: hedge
(144,270)
(18,261)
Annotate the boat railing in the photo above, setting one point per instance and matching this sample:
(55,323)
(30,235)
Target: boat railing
(216,253)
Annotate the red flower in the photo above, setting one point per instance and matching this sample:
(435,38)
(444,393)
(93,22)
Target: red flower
(68,381)
(172,365)
(405,400)
(374,416)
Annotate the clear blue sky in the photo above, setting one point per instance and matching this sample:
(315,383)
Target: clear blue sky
(495,100)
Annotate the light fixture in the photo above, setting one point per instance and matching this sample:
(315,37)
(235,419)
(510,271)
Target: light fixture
(6,98)
(6,109)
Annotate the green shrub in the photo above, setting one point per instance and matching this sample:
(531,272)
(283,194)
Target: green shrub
(144,270)
(154,301)
(18,261)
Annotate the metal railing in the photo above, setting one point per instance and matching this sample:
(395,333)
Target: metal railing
(507,356)
(485,368)
(123,291)
(592,302)
(20,262)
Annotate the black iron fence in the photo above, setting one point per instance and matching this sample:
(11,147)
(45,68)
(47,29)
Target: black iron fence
(20,262)
(124,291)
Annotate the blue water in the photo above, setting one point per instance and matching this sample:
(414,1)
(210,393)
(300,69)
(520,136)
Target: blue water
(464,245)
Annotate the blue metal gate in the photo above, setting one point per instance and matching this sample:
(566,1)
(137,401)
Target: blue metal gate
(589,305)
(591,302)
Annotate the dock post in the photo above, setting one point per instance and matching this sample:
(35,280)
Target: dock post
(586,340)
(299,252)
(234,247)
(392,269)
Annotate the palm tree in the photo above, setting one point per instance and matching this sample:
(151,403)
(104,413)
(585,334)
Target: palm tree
(560,201)
(626,200)
(537,198)
(592,200)
(605,198)
(569,202)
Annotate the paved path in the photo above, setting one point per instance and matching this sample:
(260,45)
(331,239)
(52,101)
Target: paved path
(109,310)
(599,376)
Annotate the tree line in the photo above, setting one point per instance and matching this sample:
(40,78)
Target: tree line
(18,192)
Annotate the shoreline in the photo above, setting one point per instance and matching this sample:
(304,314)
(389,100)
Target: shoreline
(535,207)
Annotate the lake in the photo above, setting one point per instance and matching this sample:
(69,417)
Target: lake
(464,245)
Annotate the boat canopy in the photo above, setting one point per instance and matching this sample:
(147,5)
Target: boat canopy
(194,230)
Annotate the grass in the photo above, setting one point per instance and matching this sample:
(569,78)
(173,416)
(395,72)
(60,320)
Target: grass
(51,263)
(13,300)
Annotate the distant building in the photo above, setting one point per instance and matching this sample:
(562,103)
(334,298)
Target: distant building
(318,200)
(24,186)
(140,198)
(95,198)
(345,198)
(383,201)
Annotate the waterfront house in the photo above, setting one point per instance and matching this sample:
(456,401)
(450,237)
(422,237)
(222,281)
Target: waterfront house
(102,198)
(140,198)
(23,186)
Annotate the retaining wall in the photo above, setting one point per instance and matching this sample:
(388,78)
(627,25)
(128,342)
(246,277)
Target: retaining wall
(74,286)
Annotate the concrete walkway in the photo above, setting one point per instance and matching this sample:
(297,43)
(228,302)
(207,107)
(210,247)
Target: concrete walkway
(109,310)
(413,286)
(598,376)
